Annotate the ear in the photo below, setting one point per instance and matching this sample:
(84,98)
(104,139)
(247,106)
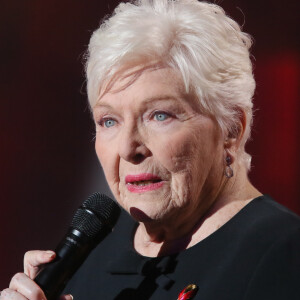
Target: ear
(234,136)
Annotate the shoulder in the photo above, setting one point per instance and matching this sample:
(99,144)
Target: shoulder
(277,274)
(268,219)
(276,230)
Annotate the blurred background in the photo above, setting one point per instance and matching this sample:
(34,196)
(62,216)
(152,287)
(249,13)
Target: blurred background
(47,159)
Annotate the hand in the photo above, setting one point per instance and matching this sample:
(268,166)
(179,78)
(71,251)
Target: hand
(22,286)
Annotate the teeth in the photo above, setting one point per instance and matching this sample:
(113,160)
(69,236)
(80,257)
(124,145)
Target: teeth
(143,183)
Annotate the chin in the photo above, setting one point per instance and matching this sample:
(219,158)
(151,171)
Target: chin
(139,215)
(146,208)
(147,214)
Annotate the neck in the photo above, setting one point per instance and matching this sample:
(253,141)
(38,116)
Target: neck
(157,239)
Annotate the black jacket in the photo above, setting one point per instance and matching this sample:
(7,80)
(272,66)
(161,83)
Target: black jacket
(255,255)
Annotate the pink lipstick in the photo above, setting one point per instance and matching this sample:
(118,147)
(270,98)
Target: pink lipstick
(143,182)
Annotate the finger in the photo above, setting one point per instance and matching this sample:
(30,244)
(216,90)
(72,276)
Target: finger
(11,294)
(66,297)
(22,284)
(34,259)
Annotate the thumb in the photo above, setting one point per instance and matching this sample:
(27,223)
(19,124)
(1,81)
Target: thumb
(34,259)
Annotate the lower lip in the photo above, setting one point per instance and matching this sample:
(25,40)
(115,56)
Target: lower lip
(144,188)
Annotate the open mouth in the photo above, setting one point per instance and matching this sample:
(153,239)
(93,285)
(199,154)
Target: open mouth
(143,182)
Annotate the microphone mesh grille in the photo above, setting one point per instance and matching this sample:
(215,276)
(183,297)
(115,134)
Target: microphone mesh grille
(95,214)
(86,223)
(103,207)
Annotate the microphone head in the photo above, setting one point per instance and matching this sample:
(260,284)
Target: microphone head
(97,214)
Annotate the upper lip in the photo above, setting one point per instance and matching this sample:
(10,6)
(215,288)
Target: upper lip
(141,177)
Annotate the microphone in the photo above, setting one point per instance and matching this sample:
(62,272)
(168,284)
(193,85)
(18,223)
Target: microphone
(92,222)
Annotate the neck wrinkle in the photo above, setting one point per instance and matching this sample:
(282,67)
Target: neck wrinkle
(235,195)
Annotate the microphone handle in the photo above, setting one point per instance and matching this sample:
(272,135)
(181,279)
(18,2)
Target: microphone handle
(70,254)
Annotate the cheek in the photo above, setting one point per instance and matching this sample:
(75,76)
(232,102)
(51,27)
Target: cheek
(102,155)
(109,162)
(183,151)
(190,157)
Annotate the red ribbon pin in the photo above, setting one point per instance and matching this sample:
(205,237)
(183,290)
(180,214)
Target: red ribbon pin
(188,292)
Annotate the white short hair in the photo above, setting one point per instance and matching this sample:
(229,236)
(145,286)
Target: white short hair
(196,38)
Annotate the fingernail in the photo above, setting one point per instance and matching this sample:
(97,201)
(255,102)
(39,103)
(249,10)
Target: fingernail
(71,297)
(50,254)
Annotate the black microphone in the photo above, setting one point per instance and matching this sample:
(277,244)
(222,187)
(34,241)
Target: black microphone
(92,222)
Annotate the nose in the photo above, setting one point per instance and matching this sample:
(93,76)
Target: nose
(132,146)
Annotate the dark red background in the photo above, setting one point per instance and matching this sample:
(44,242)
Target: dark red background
(48,165)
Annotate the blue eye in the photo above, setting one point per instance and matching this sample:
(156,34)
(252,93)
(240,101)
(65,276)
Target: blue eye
(109,123)
(161,116)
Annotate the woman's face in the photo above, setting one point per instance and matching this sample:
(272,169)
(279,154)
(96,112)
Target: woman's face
(162,158)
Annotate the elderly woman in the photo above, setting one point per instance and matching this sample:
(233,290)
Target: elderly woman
(170,86)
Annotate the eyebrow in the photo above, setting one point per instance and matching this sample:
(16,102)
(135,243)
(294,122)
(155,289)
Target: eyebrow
(145,101)
(160,98)
(99,105)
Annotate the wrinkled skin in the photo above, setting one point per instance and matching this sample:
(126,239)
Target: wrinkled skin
(151,126)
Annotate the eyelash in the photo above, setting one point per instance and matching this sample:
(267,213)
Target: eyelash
(102,121)
(160,112)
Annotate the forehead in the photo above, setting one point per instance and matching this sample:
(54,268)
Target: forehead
(145,84)
(134,77)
